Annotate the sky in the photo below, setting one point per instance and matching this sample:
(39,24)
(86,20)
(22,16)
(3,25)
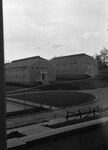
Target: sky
(51,28)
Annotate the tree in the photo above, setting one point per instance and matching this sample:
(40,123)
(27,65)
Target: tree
(102,58)
(99,61)
(104,55)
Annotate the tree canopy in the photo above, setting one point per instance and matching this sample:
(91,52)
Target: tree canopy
(102,58)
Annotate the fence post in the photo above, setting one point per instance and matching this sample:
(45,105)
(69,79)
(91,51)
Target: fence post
(80,113)
(67,116)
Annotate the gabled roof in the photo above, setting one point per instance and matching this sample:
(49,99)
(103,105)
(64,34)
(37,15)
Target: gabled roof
(76,57)
(27,59)
(23,62)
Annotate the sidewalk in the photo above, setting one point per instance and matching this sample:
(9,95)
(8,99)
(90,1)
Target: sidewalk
(32,104)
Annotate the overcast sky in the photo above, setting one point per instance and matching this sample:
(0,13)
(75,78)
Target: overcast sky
(54,27)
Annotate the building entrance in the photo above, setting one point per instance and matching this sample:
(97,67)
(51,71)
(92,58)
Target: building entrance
(90,71)
(44,77)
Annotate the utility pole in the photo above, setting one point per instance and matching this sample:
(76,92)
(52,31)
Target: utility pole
(3,143)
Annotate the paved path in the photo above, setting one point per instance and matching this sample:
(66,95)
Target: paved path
(45,116)
(28,103)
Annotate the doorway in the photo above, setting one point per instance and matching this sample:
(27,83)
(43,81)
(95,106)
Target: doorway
(44,77)
(90,71)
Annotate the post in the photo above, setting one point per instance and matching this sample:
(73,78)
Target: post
(94,111)
(80,114)
(3,145)
(67,115)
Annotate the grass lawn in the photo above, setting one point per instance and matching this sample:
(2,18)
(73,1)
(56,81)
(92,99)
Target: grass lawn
(101,94)
(78,84)
(84,84)
(57,98)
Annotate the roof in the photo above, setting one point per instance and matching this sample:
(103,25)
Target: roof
(26,59)
(73,57)
(23,62)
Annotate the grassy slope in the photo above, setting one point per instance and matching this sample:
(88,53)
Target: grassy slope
(78,85)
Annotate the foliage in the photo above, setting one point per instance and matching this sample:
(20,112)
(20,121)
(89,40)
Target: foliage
(102,58)
(99,61)
(104,55)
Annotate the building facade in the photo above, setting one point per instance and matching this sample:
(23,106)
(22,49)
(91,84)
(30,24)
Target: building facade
(75,65)
(30,71)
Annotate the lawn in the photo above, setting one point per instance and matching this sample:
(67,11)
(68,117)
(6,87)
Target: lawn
(101,94)
(84,84)
(78,84)
(57,98)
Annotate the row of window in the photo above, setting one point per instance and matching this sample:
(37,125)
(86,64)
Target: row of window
(22,69)
(42,68)
(15,77)
(66,64)
(72,63)
(14,70)
(66,70)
